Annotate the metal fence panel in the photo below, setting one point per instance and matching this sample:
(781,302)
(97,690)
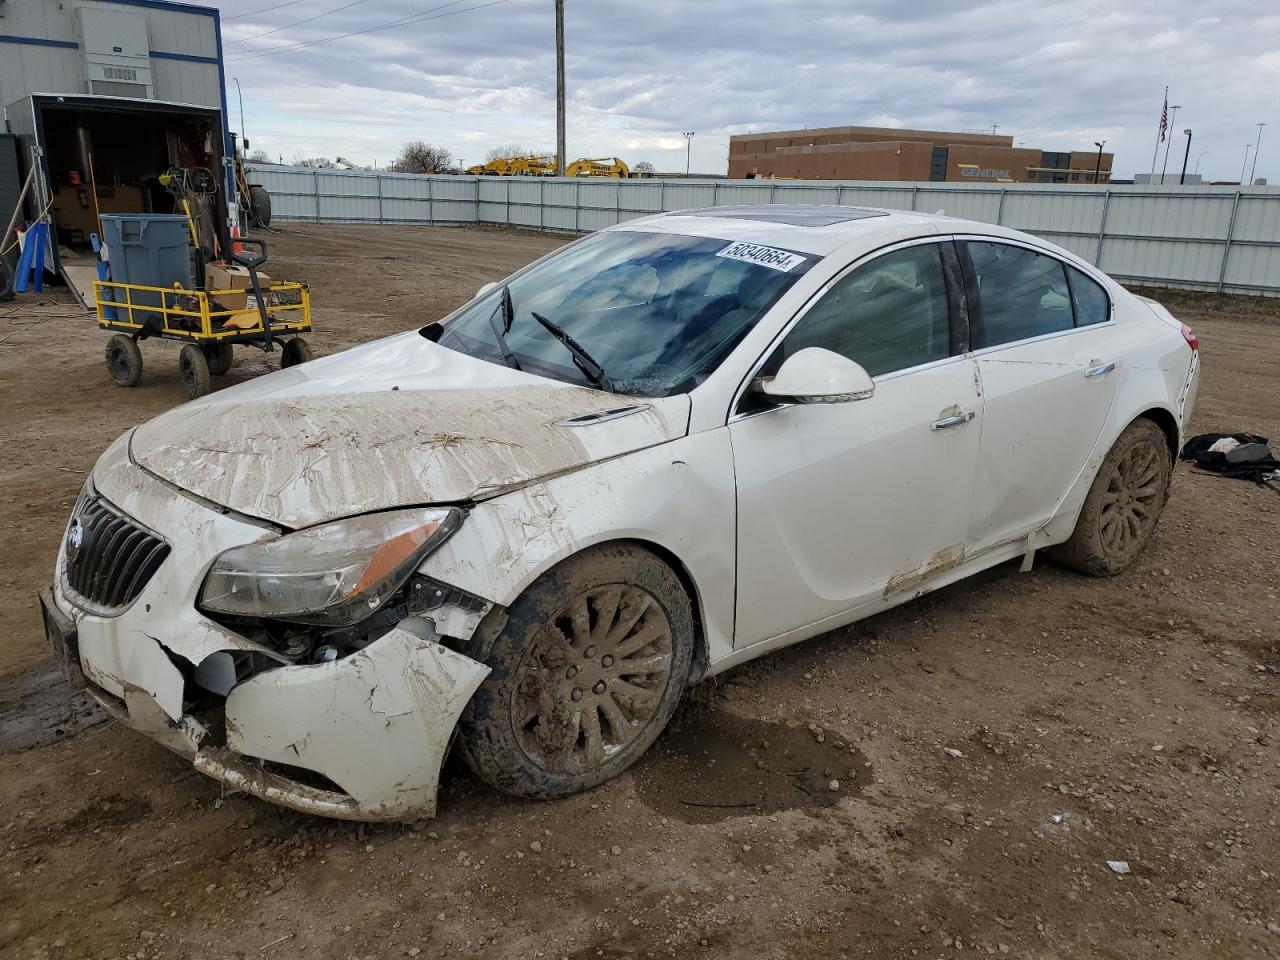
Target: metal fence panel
(1203,237)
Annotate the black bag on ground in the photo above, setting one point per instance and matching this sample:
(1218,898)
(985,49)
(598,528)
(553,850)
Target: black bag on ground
(1251,460)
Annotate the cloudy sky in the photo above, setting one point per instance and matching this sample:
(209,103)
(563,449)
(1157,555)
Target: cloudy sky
(474,74)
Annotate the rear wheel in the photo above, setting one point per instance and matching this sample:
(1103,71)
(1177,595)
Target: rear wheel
(219,357)
(1123,505)
(587,667)
(124,360)
(294,352)
(193,368)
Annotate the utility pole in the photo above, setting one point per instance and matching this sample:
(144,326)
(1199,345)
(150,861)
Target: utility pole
(559,88)
(1185,157)
(688,150)
(1247,148)
(1173,115)
(1097,170)
(1256,147)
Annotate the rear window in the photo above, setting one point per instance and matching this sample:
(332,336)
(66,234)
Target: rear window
(1091,302)
(1023,294)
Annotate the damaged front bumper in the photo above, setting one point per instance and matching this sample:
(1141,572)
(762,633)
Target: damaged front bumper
(359,738)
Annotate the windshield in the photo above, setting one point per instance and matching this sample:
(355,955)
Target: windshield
(657,312)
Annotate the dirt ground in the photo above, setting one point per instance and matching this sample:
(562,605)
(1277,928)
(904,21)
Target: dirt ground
(995,743)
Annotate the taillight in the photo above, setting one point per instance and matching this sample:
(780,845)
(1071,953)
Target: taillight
(1191,339)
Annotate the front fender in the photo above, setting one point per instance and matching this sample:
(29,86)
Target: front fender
(679,496)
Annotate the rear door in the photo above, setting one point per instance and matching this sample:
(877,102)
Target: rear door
(1043,338)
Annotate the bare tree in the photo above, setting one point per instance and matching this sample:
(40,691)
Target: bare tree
(509,150)
(420,157)
(643,169)
(260,156)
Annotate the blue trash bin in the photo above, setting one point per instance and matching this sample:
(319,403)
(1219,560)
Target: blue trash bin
(148,249)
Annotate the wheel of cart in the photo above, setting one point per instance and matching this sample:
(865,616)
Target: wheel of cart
(124,360)
(219,357)
(209,323)
(294,352)
(193,370)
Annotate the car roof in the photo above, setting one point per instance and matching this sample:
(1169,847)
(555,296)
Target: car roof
(813,228)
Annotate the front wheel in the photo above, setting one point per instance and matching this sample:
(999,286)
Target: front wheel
(193,369)
(124,360)
(587,667)
(1125,502)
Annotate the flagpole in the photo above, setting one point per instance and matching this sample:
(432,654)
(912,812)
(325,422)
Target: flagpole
(1159,123)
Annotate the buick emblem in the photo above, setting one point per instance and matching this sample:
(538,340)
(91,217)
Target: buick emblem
(75,537)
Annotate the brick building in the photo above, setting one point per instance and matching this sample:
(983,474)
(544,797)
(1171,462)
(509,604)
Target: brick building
(877,153)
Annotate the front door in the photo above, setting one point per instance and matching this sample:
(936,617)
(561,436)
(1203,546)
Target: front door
(842,504)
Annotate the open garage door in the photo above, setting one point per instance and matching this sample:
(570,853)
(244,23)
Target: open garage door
(100,154)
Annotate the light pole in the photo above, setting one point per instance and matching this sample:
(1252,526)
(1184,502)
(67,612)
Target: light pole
(1185,157)
(1199,158)
(1097,170)
(1247,148)
(241,97)
(1256,147)
(688,150)
(1173,114)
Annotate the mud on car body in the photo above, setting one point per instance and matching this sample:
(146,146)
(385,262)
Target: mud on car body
(657,452)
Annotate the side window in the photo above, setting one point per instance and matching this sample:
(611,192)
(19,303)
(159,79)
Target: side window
(887,315)
(1090,300)
(1022,294)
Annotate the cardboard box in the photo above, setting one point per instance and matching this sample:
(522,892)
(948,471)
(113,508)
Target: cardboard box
(233,278)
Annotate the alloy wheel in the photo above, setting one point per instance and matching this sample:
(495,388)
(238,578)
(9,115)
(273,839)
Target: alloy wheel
(1130,504)
(593,679)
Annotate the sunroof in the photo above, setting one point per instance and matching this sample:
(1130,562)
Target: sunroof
(796,214)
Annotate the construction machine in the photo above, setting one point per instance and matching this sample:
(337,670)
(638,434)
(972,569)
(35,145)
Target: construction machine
(612,167)
(530,166)
(255,201)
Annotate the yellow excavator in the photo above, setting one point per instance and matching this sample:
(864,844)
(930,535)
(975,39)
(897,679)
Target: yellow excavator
(545,166)
(599,167)
(531,166)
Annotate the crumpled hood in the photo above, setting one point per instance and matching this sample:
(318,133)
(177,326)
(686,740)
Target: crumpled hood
(396,422)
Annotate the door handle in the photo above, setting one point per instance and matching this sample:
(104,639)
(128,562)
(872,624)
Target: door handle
(959,420)
(1100,369)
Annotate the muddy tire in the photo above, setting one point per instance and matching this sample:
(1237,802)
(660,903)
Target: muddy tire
(587,667)
(259,206)
(124,361)
(193,369)
(294,352)
(1124,504)
(219,357)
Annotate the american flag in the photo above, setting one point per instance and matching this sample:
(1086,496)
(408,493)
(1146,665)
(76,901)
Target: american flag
(1164,118)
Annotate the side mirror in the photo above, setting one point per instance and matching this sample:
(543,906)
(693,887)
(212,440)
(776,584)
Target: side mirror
(491,285)
(815,375)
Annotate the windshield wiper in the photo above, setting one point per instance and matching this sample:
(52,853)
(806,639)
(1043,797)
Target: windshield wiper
(583,360)
(500,329)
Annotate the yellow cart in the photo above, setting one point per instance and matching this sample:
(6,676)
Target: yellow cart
(277,313)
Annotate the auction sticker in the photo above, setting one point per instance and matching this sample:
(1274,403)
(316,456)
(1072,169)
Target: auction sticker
(770,257)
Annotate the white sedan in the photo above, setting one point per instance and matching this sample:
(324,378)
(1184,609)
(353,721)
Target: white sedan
(658,452)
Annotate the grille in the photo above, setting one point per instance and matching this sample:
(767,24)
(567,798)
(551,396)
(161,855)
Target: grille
(109,558)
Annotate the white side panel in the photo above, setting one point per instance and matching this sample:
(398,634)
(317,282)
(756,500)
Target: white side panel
(679,496)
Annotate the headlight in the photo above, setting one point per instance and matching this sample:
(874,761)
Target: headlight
(334,574)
